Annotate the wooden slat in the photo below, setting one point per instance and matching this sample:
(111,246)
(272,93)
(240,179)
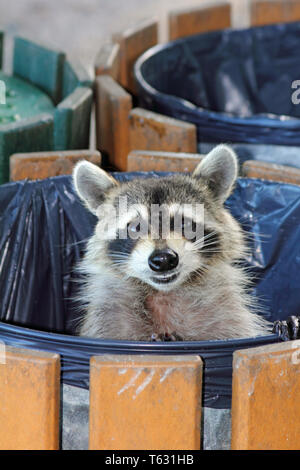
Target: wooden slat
(184,23)
(28,135)
(265,398)
(75,74)
(40,165)
(113,105)
(133,42)
(143,160)
(41,65)
(29,407)
(271,171)
(108,60)
(72,120)
(152,131)
(145,402)
(278,11)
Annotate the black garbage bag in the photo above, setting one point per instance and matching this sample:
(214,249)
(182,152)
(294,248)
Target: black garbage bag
(44,228)
(234,85)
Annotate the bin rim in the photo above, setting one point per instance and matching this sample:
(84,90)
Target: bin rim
(135,346)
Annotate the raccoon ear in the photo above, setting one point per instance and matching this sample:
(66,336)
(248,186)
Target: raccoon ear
(220,170)
(91,184)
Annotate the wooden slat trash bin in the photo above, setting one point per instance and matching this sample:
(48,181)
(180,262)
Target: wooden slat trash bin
(255,412)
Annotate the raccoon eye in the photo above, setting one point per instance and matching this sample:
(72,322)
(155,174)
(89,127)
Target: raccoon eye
(133,227)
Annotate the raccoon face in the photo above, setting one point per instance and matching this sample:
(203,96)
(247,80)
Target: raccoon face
(167,231)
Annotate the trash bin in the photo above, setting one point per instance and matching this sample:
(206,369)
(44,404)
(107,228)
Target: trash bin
(45,104)
(44,230)
(236,86)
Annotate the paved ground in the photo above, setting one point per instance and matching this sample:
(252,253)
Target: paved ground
(80,26)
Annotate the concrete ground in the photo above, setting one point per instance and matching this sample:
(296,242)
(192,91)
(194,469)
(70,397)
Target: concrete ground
(79,27)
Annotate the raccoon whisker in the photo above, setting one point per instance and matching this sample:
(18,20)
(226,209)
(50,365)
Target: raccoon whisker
(118,255)
(209,244)
(197,246)
(205,238)
(210,234)
(252,234)
(252,239)
(119,261)
(119,258)
(200,243)
(217,251)
(256,234)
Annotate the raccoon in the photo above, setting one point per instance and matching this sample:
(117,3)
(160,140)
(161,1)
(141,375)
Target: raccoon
(165,286)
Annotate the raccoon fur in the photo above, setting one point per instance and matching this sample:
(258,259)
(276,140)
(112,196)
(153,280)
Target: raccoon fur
(166,287)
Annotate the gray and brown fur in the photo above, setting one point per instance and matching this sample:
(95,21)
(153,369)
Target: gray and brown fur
(208,300)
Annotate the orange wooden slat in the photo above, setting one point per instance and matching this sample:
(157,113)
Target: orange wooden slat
(108,60)
(144,160)
(133,42)
(184,23)
(271,171)
(153,131)
(277,11)
(29,406)
(39,165)
(113,105)
(145,402)
(265,398)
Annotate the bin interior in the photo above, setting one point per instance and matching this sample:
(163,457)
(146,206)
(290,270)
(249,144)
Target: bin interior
(234,85)
(241,72)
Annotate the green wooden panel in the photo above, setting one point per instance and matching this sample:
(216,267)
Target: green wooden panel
(40,65)
(75,75)
(72,120)
(30,135)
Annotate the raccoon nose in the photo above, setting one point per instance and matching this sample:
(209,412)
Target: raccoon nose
(163,260)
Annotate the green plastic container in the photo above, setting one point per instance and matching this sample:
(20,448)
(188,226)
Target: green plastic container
(44,105)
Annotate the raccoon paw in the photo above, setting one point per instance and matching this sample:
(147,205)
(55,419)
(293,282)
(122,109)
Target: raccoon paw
(166,337)
(287,329)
